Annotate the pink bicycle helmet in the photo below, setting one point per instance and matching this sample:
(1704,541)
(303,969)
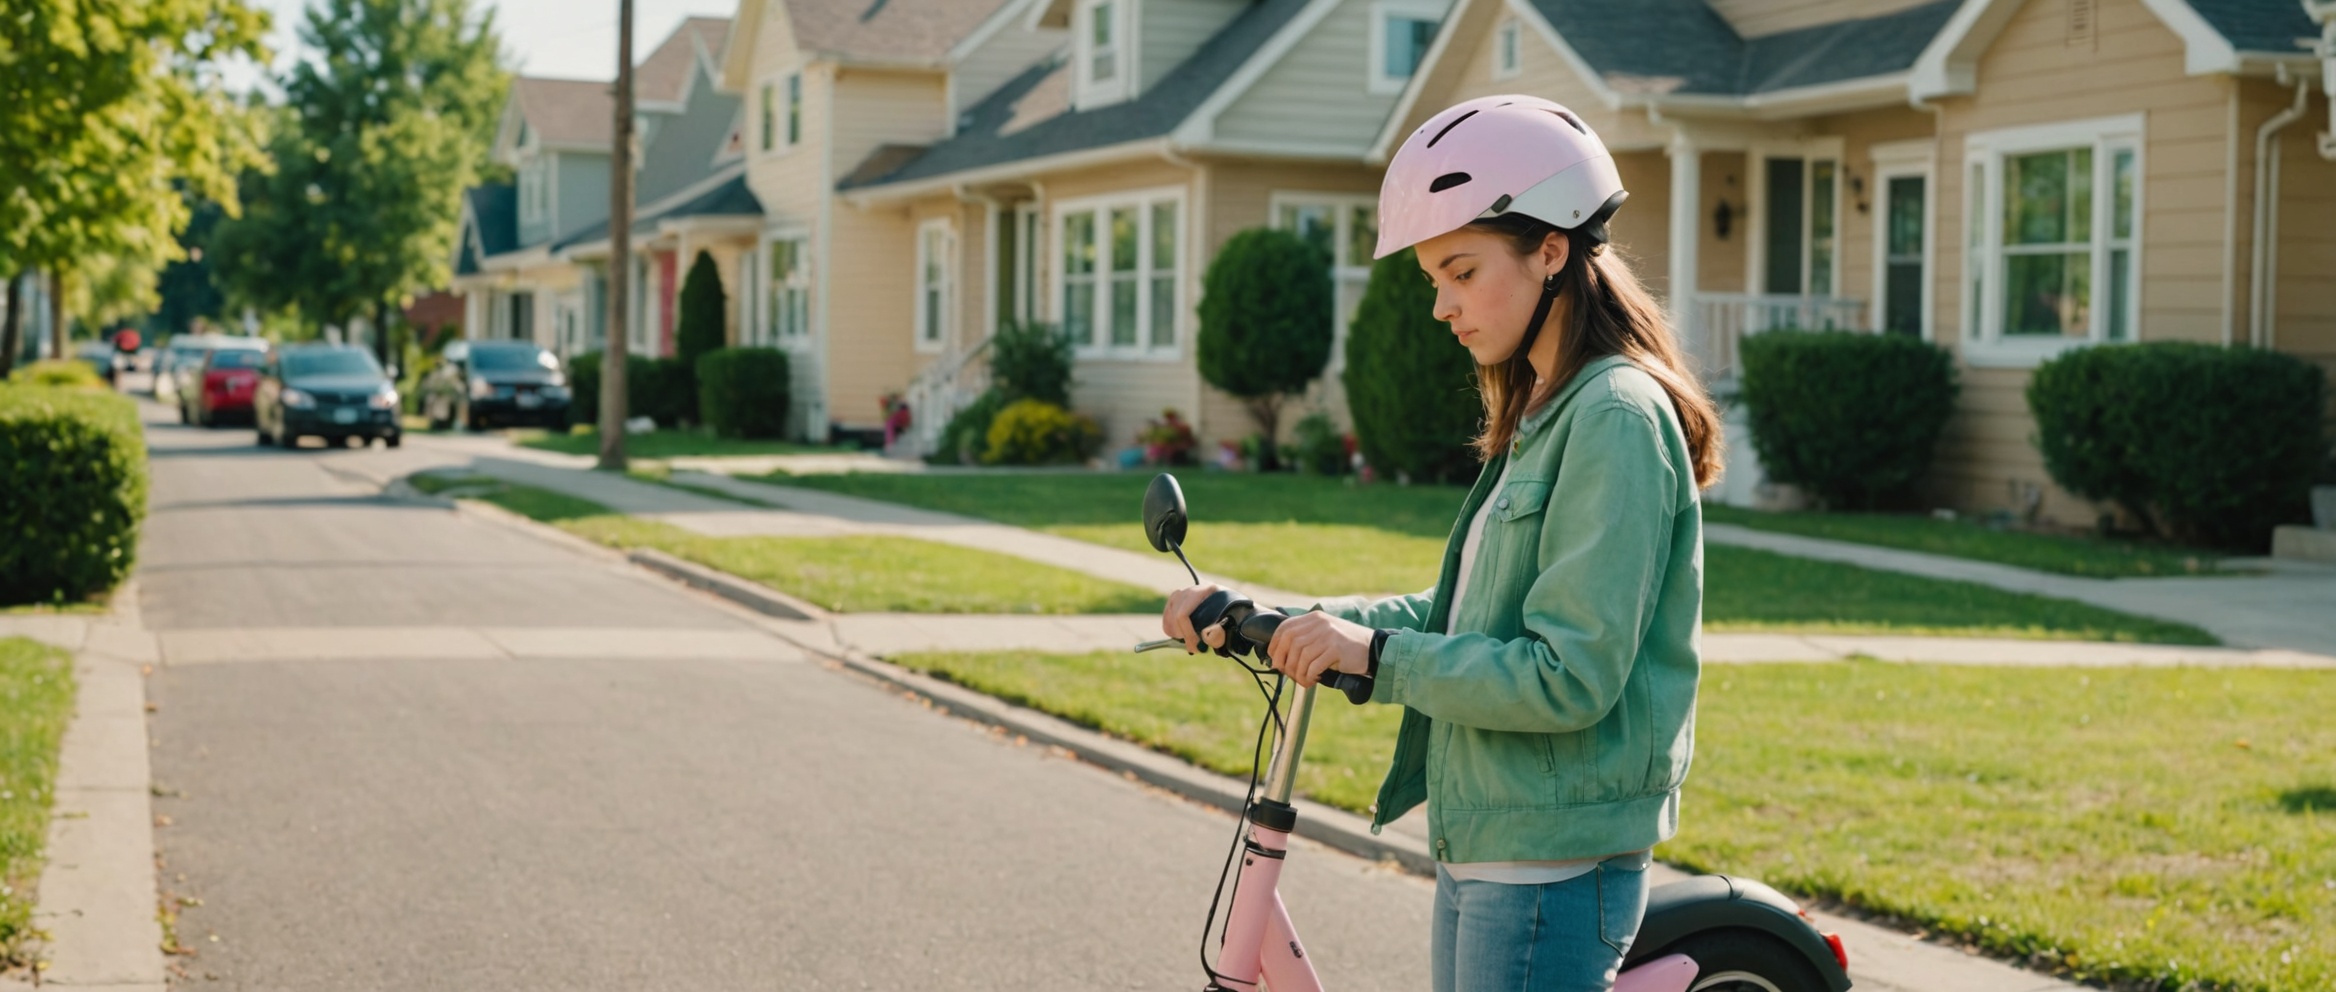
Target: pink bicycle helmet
(1498,155)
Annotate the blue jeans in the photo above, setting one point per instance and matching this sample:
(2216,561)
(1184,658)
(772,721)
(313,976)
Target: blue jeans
(1562,937)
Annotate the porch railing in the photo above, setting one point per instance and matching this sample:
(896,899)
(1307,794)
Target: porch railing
(947,385)
(1718,322)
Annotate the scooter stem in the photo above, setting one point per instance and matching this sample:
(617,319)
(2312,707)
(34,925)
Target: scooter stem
(1282,775)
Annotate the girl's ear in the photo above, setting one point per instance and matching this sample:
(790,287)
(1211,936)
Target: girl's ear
(1554,249)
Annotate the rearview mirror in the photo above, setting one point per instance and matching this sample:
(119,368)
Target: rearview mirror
(1164,513)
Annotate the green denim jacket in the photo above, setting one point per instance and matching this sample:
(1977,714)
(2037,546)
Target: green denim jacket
(1557,720)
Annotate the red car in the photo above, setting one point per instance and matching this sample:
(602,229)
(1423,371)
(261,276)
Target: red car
(227,379)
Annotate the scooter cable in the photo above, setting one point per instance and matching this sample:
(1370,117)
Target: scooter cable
(1273,719)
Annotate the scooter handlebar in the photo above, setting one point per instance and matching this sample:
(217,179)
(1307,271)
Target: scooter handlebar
(1258,628)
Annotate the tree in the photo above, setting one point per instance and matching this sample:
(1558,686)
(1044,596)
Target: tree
(106,111)
(1265,313)
(382,129)
(702,308)
(1410,388)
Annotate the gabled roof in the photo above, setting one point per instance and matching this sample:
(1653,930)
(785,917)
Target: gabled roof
(1030,116)
(1684,47)
(919,31)
(490,225)
(2218,36)
(728,196)
(2268,26)
(663,77)
(566,111)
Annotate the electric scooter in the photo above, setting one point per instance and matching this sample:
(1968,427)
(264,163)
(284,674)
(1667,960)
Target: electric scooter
(1709,933)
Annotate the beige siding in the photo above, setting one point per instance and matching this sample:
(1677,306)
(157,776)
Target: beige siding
(2304,294)
(1754,18)
(1719,262)
(1862,210)
(879,107)
(1642,228)
(870,279)
(1318,94)
(1466,71)
(1171,30)
(2032,76)
(787,181)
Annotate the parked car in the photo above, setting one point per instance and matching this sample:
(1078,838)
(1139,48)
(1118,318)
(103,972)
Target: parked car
(332,392)
(178,370)
(479,384)
(221,386)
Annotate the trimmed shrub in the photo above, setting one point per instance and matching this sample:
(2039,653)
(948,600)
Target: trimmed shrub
(967,435)
(658,388)
(73,466)
(2202,443)
(701,317)
(1852,418)
(1321,449)
(1035,432)
(1265,313)
(1410,387)
(57,372)
(1032,362)
(742,392)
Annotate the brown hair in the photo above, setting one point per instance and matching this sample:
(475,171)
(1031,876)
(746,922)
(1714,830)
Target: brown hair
(1611,315)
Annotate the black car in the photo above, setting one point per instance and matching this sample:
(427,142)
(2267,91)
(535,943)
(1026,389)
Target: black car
(480,384)
(329,392)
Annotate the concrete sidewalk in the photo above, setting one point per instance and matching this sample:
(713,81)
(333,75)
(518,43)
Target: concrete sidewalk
(2286,607)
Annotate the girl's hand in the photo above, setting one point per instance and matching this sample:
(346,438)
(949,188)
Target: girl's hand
(1311,644)
(1176,620)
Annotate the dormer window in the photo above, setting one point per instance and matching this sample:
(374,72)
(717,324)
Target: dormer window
(1504,53)
(1401,31)
(1101,30)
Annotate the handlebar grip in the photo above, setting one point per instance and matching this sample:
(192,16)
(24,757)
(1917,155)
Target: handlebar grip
(1357,687)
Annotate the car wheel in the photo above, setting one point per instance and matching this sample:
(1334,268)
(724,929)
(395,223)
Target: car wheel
(439,421)
(471,421)
(392,440)
(265,440)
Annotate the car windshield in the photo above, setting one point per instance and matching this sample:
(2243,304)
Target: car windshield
(330,361)
(511,359)
(236,358)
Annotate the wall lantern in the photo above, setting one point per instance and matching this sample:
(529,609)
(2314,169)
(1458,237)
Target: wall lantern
(1722,217)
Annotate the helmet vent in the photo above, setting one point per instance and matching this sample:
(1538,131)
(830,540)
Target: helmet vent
(1447,181)
(1448,128)
(1571,119)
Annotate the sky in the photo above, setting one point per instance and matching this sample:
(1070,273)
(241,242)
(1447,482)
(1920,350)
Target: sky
(568,39)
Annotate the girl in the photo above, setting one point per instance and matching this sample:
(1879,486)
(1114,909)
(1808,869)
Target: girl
(1549,677)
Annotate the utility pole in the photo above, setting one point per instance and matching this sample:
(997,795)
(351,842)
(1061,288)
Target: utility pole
(620,252)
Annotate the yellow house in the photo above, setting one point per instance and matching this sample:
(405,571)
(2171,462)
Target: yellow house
(2006,178)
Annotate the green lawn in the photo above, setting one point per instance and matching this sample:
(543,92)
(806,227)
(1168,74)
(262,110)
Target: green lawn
(2113,824)
(2067,555)
(1391,538)
(666,444)
(36,700)
(855,574)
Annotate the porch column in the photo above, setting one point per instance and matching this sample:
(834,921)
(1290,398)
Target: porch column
(1686,227)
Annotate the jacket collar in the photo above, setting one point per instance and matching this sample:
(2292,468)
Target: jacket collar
(1537,419)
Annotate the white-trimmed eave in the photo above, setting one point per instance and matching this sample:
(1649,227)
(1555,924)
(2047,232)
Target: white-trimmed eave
(1864,93)
(1949,65)
(1391,130)
(738,49)
(1199,127)
(890,193)
(1005,15)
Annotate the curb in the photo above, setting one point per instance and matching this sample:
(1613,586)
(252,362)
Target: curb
(752,595)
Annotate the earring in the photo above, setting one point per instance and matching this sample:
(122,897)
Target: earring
(1549,285)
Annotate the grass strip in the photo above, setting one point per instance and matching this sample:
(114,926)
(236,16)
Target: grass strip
(1324,536)
(2121,825)
(666,444)
(36,701)
(850,574)
(2062,554)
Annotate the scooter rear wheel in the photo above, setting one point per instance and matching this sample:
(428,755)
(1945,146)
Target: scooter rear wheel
(1747,961)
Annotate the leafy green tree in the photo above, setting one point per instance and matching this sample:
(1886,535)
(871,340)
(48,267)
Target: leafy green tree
(1265,313)
(106,111)
(700,328)
(1410,388)
(383,127)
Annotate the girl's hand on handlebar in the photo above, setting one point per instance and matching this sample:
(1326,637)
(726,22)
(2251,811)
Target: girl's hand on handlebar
(1176,620)
(1311,644)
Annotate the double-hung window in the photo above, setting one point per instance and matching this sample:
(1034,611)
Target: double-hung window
(1401,31)
(1345,228)
(1100,49)
(936,283)
(1505,54)
(781,112)
(786,292)
(1122,274)
(2054,237)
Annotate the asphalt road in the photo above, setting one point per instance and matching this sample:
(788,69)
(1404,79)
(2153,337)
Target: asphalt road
(617,818)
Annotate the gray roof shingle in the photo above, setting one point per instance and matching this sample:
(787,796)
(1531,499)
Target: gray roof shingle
(904,30)
(1684,47)
(730,198)
(2271,26)
(1002,128)
(495,211)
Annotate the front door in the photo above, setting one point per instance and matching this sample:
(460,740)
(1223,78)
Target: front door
(1799,246)
(1904,252)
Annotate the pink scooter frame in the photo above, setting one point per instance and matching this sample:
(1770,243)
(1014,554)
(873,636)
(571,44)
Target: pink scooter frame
(1260,941)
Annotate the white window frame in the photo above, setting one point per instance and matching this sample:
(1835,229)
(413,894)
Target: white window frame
(769,298)
(791,111)
(1029,231)
(1985,152)
(766,121)
(1342,270)
(1508,54)
(1810,151)
(1142,202)
(944,323)
(1375,75)
(1092,92)
(1898,160)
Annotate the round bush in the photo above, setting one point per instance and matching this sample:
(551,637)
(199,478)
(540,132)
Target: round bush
(1031,362)
(743,392)
(56,372)
(1852,418)
(1410,387)
(73,471)
(1265,313)
(1035,432)
(2209,444)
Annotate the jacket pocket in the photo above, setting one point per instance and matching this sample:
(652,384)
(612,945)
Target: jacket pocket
(1498,769)
(1520,499)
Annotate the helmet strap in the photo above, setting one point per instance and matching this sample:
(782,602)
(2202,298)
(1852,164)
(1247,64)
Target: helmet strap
(1549,293)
